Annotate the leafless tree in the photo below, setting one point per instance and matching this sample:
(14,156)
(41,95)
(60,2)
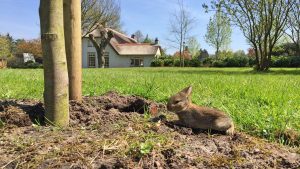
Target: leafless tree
(139,36)
(99,12)
(181,24)
(293,25)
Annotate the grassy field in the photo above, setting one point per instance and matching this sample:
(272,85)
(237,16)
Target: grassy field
(262,104)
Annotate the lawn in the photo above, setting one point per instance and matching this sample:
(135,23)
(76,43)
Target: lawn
(262,104)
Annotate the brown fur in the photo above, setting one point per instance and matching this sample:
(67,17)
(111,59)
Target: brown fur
(193,116)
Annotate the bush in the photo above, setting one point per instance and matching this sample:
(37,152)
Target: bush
(252,61)
(285,61)
(219,63)
(295,61)
(195,62)
(28,65)
(208,61)
(177,62)
(189,63)
(32,65)
(169,62)
(157,63)
(237,61)
(280,61)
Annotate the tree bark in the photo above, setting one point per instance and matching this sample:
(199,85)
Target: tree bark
(56,95)
(72,30)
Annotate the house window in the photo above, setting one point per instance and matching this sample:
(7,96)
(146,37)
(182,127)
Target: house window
(106,64)
(90,44)
(137,62)
(106,58)
(91,59)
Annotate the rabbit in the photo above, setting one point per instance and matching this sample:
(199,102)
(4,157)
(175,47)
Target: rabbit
(197,117)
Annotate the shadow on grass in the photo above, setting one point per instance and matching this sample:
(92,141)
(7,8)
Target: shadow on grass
(227,71)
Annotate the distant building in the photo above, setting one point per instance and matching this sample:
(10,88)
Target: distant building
(186,54)
(203,54)
(24,57)
(122,51)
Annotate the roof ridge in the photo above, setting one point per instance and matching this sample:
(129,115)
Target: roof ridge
(126,36)
(136,44)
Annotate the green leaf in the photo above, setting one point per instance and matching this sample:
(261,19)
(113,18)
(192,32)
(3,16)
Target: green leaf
(146,148)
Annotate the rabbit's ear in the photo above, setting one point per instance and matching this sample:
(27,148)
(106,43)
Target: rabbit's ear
(187,90)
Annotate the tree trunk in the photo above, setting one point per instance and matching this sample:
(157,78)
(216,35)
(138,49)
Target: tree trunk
(298,50)
(56,95)
(217,51)
(180,57)
(217,54)
(72,30)
(105,37)
(256,58)
(100,57)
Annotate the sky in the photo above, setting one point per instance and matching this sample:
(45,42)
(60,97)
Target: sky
(20,19)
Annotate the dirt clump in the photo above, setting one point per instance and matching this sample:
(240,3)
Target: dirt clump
(117,131)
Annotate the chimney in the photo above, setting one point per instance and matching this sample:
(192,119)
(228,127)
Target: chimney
(133,36)
(156,41)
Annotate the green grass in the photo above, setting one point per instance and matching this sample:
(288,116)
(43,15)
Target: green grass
(263,104)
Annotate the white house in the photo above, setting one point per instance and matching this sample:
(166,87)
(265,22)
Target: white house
(24,57)
(122,51)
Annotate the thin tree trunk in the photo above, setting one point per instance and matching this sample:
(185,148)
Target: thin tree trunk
(105,37)
(261,60)
(100,58)
(298,50)
(256,57)
(183,56)
(72,28)
(56,81)
(180,55)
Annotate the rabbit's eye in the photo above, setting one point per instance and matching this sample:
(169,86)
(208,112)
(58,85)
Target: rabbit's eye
(177,101)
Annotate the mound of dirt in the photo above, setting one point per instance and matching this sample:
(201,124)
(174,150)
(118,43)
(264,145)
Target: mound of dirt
(115,131)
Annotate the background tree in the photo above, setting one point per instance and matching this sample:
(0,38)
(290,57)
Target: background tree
(293,25)
(251,53)
(218,33)
(139,36)
(100,12)
(105,36)
(239,53)
(12,44)
(148,40)
(180,27)
(193,46)
(262,23)
(72,30)
(4,47)
(33,46)
(56,81)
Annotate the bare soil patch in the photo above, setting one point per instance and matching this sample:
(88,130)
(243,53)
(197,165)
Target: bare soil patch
(115,131)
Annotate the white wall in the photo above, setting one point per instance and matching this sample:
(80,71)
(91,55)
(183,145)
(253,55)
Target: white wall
(115,60)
